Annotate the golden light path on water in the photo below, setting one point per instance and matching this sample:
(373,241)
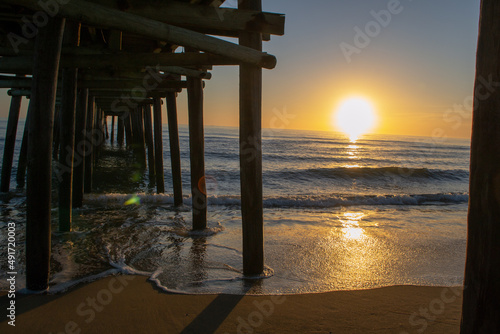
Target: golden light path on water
(350,223)
(352,151)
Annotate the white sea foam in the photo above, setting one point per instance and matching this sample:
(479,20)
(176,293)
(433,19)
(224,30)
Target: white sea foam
(322,201)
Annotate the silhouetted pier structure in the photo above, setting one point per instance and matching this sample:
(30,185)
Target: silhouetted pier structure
(81,62)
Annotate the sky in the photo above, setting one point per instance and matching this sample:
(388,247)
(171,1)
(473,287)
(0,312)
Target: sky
(413,59)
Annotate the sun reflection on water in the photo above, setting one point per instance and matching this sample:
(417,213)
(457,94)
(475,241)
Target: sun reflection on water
(350,225)
(352,151)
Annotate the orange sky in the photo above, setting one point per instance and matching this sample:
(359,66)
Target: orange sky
(418,70)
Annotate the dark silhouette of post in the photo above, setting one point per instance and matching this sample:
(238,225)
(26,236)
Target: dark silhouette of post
(81,147)
(105,125)
(197,153)
(23,153)
(158,137)
(120,131)
(39,189)
(138,136)
(175,152)
(56,133)
(251,153)
(112,139)
(67,132)
(128,129)
(148,134)
(481,298)
(99,135)
(10,142)
(89,149)
(142,137)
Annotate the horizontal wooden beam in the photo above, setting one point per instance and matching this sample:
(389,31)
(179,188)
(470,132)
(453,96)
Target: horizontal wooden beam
(16,82)
(127,93)
(124,76)
(122,94)
(97,15)
(131,84)
(186,72)
(110,100)
(119,61)
(19,92)
(207,19)
(115,97)
(68,50)
(81,51)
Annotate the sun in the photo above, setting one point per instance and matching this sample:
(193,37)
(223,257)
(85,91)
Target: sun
(355,116)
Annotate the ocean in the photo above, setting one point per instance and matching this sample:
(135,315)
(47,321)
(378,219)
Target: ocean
(339,215)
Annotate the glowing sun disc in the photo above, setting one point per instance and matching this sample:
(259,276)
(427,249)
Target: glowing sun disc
(355,116)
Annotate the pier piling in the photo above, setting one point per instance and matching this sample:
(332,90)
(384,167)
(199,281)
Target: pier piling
(251,152)
(175,152)
(67,132)
(23,153)
(120,131)
(148,132)
(89,148)
(481,295)
(38,195)
(81,147)
(112,139)
(158,138)
(10,142)
(197,153)
(128,129)
(56,133)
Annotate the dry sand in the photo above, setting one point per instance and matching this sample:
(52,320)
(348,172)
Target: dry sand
(130,304)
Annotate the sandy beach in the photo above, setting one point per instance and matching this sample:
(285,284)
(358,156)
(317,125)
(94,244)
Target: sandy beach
(131,304)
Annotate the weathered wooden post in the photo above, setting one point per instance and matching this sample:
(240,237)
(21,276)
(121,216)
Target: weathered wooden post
(81,147)
(10,142)
(67,132)
(197,153)
(251,152)
(158,132)
(175,152)
(89,159)
(105,125)
(148,132)
(112,139)
(134,133)
(138,135)
(481,308)
(142,137)
(98,135)
(56,132)
(120,131)
(128,129)
(23,152)
(43,98)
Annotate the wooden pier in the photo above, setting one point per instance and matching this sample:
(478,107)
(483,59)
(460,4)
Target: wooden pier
(84,63)
(80,62)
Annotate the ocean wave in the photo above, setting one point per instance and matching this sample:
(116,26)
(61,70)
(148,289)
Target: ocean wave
(383,172)
(375,200)
(323,201)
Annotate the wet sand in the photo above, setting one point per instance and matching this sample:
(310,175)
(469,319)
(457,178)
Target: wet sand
(131,304)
